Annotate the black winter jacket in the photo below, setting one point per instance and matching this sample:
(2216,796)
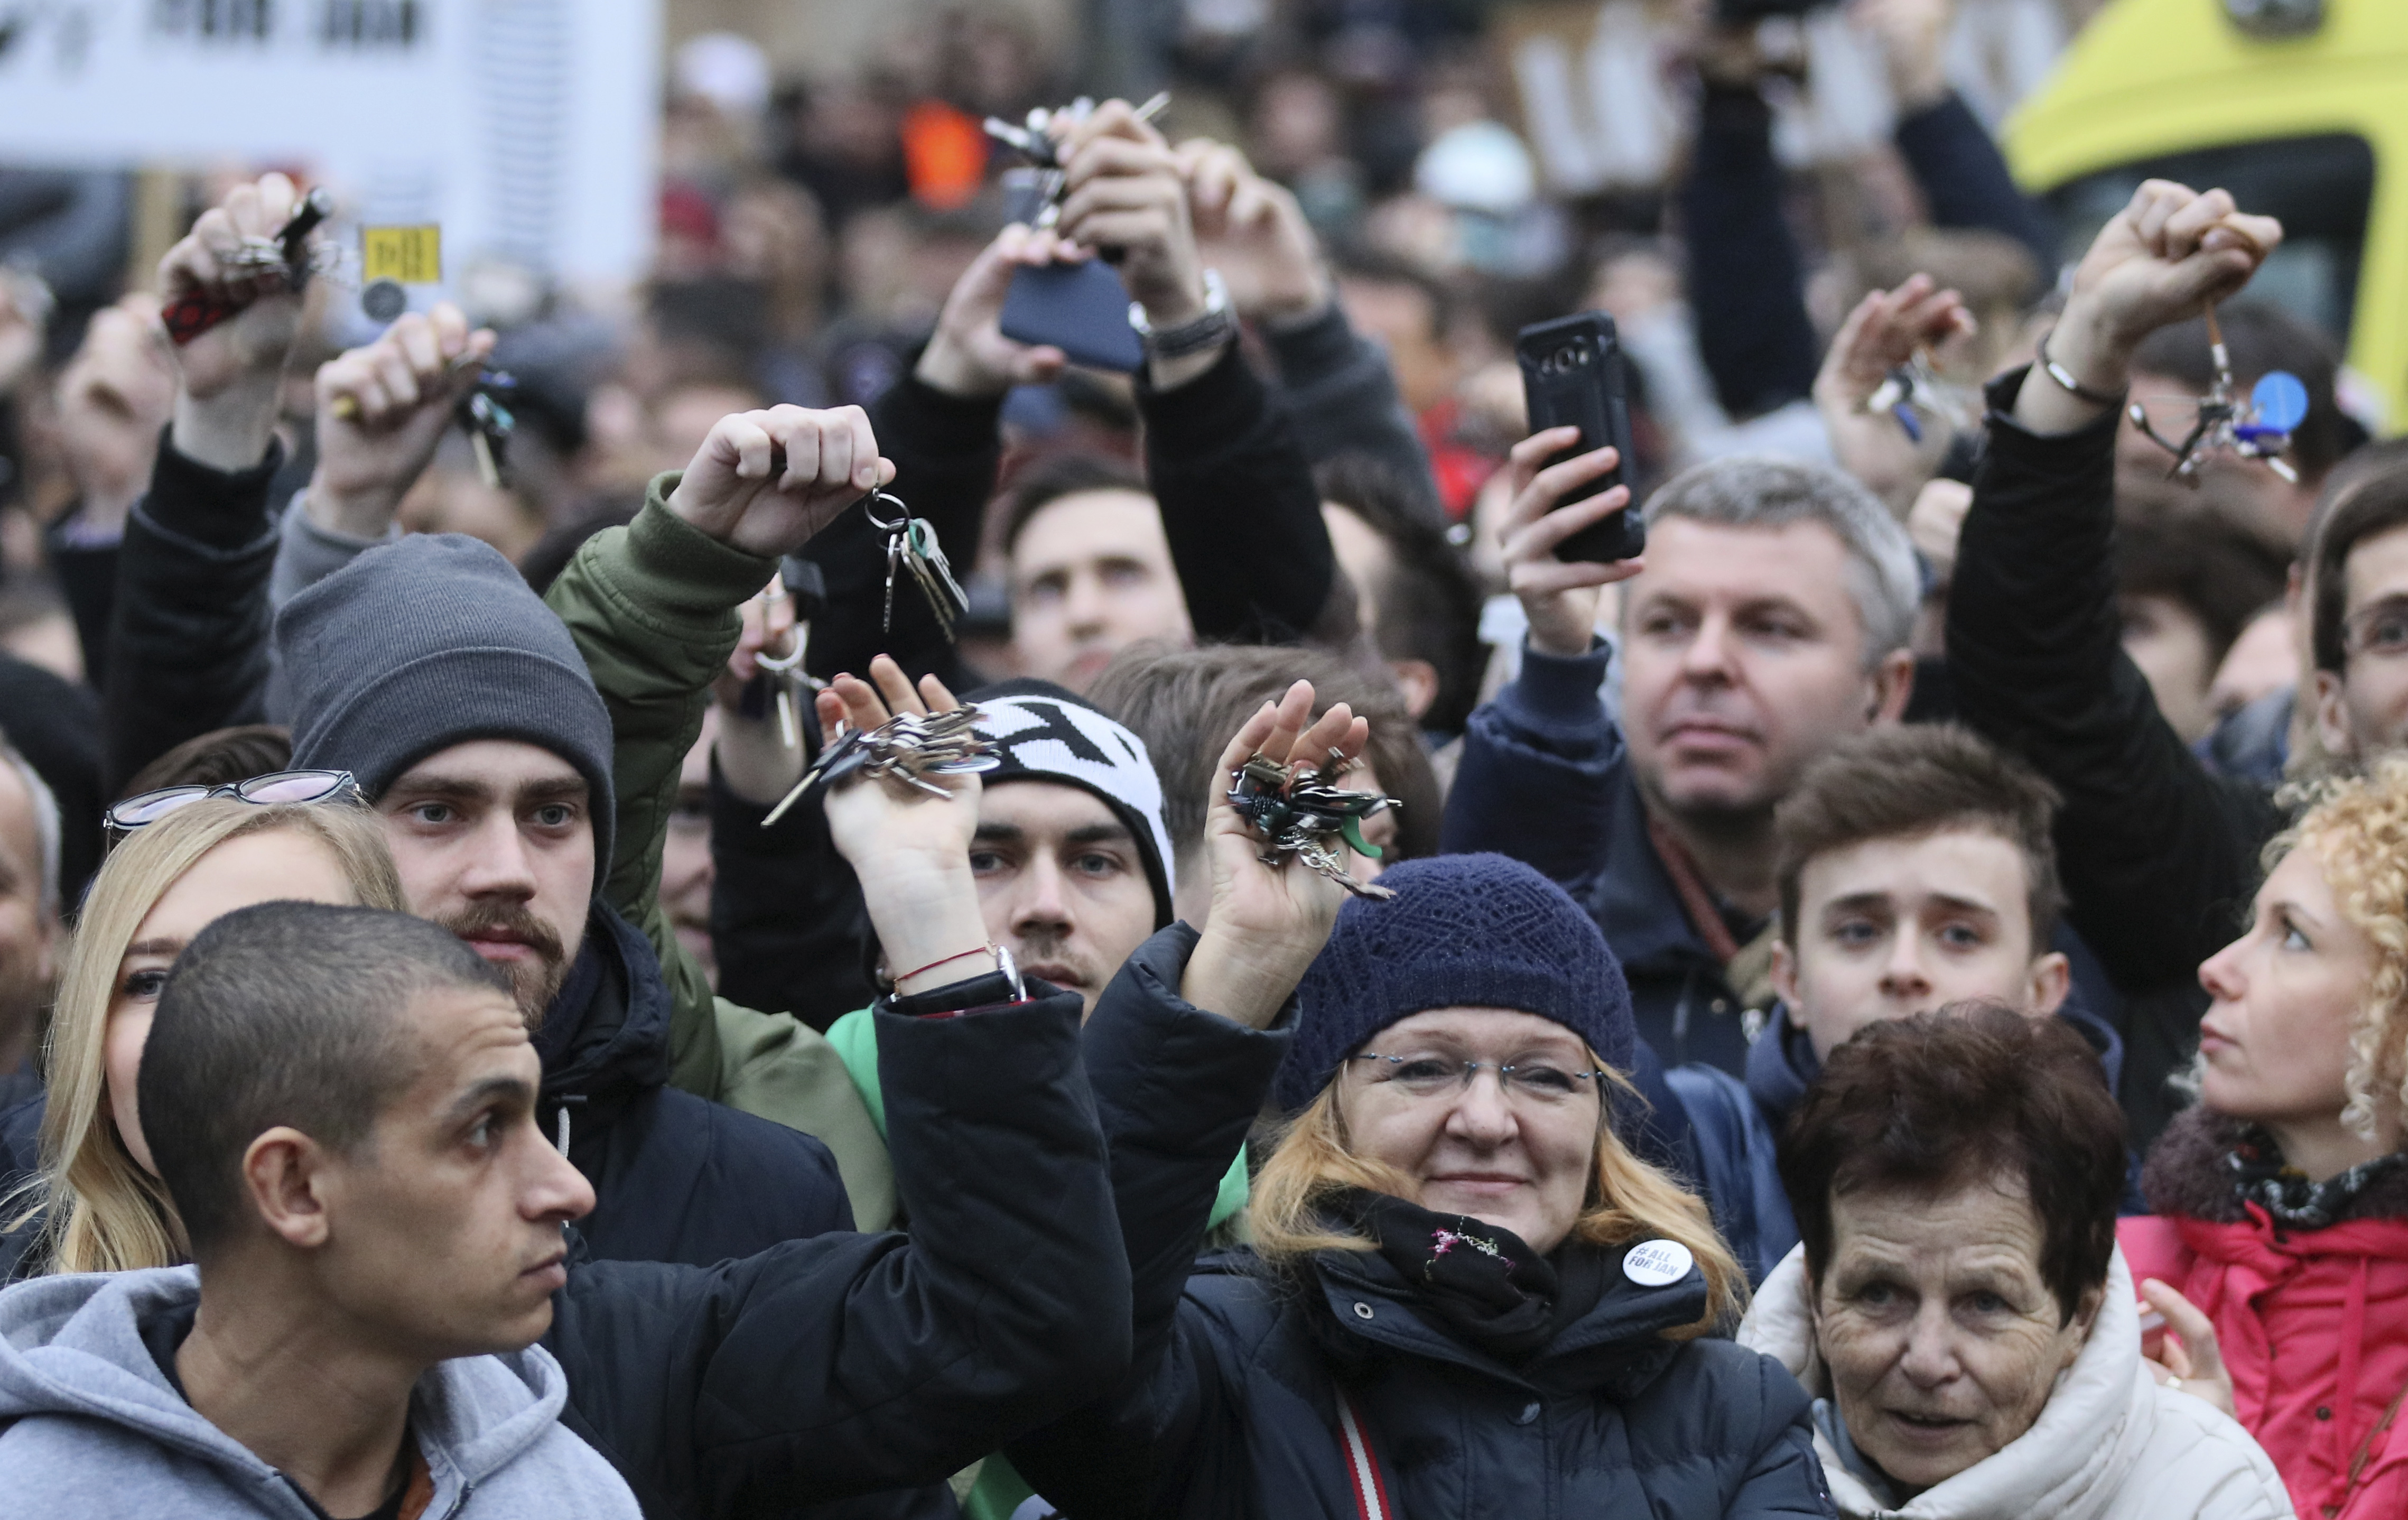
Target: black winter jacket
(1545,778)
(828,1370)
(2159,855)
(1231,1408)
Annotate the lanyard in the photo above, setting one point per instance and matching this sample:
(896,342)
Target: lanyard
(1362,1465)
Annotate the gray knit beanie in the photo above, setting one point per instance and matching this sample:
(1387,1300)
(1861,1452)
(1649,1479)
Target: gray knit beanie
(430,641)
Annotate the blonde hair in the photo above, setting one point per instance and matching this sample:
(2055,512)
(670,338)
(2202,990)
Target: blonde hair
(2359,825)
(101,1212)
(1628,1201)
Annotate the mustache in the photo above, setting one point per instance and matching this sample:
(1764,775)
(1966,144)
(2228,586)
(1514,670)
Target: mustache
(509,918)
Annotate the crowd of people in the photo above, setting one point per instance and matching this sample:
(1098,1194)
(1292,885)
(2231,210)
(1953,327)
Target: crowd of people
(601,989)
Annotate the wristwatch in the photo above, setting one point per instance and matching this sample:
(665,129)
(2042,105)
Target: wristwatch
(1216,327)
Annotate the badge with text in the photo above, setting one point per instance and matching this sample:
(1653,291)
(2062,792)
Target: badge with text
(412,255)
(1654,1264)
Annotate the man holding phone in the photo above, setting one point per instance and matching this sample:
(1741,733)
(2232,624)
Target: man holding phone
(1767,620)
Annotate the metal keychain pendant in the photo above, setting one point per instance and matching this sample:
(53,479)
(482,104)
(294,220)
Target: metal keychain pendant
(911,547)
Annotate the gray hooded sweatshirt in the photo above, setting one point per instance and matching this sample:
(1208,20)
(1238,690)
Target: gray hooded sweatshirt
(91,1428)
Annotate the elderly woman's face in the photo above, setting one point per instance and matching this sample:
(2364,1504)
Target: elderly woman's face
(1941,1337)
(1515,1152)
(2274,1046)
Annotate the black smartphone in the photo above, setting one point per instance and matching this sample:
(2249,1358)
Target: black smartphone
(1573,376)
(1081,308)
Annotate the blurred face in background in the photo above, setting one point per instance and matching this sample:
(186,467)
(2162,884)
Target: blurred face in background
(1091,574)
(2171,644)
(686,868)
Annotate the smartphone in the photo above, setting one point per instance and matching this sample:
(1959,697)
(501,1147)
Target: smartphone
(1081,308)
(1573,376)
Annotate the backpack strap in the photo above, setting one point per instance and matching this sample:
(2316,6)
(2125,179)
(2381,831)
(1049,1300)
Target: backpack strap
(1362,1463)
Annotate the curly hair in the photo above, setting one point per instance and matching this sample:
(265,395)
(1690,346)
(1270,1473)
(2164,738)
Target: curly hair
(2359,825)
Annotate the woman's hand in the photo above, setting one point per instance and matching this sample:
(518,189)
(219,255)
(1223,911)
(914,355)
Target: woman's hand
(1883,332)
(1558,596)
(2188,1357)
(911,849)
(1268,922)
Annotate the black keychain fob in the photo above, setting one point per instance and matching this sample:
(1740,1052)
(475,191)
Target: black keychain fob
(1573,376)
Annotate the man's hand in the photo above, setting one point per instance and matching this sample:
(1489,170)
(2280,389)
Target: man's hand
(2161,260)
(226,408)
(1254,232)
(113,397)
(755,759)
(381,412)
(1883,333)
(911,849)
(1127,200)
(1267,923)
(764,481)
(1560,597)
(968,356)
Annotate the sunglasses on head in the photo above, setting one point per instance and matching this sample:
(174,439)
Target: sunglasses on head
(262,791)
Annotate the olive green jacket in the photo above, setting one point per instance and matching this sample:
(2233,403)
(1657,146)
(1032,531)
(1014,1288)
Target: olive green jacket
(652,606)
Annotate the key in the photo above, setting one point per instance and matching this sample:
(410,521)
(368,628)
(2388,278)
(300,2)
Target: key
(911,546)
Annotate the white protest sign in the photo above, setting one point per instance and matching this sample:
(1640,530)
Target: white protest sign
(526,129)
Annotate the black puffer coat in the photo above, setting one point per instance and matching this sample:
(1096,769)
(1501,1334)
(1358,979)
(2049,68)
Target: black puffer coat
(1231,1411)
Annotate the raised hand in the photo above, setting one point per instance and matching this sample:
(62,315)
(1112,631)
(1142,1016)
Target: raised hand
(1268,922)
(1883,332)
(764,481)
(911,849)
(381,412)
(2189,1358)
(1560,597)
(753,757)
(225,406)
(1126,194)
(113,397)
(968,356)
(1254,232)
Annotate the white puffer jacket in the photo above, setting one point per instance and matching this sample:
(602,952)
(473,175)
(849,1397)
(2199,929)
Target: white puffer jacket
(2110,1443)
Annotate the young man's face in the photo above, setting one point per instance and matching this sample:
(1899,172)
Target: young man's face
(494,842)
(2364,709)
(1062,882)
(443,1228)
(1890,927)
(1091,574)
(1742,663)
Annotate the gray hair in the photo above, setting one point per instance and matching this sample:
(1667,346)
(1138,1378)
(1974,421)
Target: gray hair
(1755,493)
(46,821)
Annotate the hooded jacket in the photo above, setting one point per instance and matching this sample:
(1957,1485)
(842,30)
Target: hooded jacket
(89,1426)
(2110,1443)
(2312,1324)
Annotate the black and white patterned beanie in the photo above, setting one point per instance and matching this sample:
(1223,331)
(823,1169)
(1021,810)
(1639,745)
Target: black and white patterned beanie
(1048,732)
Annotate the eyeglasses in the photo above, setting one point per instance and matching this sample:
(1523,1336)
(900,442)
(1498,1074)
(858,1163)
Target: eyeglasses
(1437,1076)
(262,791)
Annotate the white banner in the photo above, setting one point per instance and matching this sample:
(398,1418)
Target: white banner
(527,128)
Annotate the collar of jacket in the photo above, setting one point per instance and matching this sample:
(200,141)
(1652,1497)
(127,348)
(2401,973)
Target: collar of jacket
(2186,1176)
(1635,902)
(1614,1350)
(606,1038)
(73,1345)
(1780,1064)
(2072,1464)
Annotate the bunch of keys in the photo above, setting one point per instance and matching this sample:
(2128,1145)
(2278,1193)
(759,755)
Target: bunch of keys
(1033,141)
(2258,428)
(906,747)
(911,544)
(1298,812)
(1913,391)
(799,581)
(288,254)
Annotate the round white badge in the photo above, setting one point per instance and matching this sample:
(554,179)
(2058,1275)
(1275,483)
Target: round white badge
(1654,1264)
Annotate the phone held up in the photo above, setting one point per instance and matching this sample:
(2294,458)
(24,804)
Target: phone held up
(1573,376)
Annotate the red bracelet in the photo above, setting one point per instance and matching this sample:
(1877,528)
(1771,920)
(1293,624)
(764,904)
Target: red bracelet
(948,960)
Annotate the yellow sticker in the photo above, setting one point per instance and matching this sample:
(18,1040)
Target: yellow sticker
(413,255)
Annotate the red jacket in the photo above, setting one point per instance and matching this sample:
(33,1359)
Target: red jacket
(2313,1324)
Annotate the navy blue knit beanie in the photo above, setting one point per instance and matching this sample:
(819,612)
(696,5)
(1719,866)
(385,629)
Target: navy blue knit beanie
(1463,931)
